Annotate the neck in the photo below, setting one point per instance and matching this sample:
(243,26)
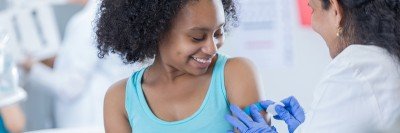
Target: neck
(164,72)
(337,47)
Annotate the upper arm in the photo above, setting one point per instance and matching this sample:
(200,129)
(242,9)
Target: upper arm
(241,82)
(115,116)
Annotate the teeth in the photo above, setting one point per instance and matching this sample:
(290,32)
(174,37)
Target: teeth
(207,60)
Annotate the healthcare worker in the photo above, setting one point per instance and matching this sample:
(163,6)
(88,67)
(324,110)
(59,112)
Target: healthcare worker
(12,119)
(78,79)
(360,90)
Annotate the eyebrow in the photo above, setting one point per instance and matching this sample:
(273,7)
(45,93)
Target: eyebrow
(204,29)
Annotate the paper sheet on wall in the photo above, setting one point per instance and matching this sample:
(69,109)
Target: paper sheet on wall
(265,34)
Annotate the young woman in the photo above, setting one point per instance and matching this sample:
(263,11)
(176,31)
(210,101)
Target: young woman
(189,86)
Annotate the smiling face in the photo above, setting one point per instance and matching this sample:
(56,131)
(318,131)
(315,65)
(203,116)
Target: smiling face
(194,38)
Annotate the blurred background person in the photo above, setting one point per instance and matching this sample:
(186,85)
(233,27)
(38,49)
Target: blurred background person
(12,118)
(75,75)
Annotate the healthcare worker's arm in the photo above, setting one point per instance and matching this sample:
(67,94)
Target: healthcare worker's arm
(14,118)
(115,116)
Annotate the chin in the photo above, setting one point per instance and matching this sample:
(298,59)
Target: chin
(198,72)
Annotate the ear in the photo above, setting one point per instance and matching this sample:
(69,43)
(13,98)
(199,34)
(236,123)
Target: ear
(338,12)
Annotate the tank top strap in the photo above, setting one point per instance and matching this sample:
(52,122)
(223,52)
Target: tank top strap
(130,94)
(219,74)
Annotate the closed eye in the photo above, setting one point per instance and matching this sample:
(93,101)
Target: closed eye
(198,39)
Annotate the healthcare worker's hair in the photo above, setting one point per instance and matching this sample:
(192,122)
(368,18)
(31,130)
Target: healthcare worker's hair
(133,28)
(371,22)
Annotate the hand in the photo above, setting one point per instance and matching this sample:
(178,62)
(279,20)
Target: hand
(293,114)
(245,124)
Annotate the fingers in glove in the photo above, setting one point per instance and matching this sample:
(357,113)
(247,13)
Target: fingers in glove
(236,123)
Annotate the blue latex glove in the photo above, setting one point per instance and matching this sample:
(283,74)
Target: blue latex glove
(245,124)
(258,105)
(293,114)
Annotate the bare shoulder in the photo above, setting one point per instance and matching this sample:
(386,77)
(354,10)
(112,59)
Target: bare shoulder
(115,116)
(238,68)
(241,81)
(239,65)
(116,92)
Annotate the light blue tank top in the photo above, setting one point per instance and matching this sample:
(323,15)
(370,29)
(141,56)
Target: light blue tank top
(209,118)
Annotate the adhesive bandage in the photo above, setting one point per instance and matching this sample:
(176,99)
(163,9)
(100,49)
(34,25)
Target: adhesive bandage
(271,108)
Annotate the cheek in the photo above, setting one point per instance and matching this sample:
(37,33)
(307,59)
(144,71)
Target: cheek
(315,22)
(185,48)
(177,46)
(320,24)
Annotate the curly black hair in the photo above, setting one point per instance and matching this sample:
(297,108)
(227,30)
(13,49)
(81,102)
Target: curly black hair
(134,28)
(371,22)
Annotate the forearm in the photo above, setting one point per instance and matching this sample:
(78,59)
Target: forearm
(49,61)
(14,118)
(64,84)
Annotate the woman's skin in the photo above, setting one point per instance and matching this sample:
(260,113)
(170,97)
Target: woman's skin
(176,84)
(322,22)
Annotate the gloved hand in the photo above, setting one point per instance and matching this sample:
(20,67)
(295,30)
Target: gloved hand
(245,124)
(293,114)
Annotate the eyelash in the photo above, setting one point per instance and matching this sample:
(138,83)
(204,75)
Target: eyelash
(216,35)
(197,39)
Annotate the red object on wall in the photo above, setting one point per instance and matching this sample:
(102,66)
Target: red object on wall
(304,12)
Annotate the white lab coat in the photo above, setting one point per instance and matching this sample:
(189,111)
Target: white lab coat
(359,93)
(79,79)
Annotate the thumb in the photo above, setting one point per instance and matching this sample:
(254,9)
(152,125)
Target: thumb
(266,103)
(288,118)
(284,114)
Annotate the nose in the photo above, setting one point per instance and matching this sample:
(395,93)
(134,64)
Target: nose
(210,47)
